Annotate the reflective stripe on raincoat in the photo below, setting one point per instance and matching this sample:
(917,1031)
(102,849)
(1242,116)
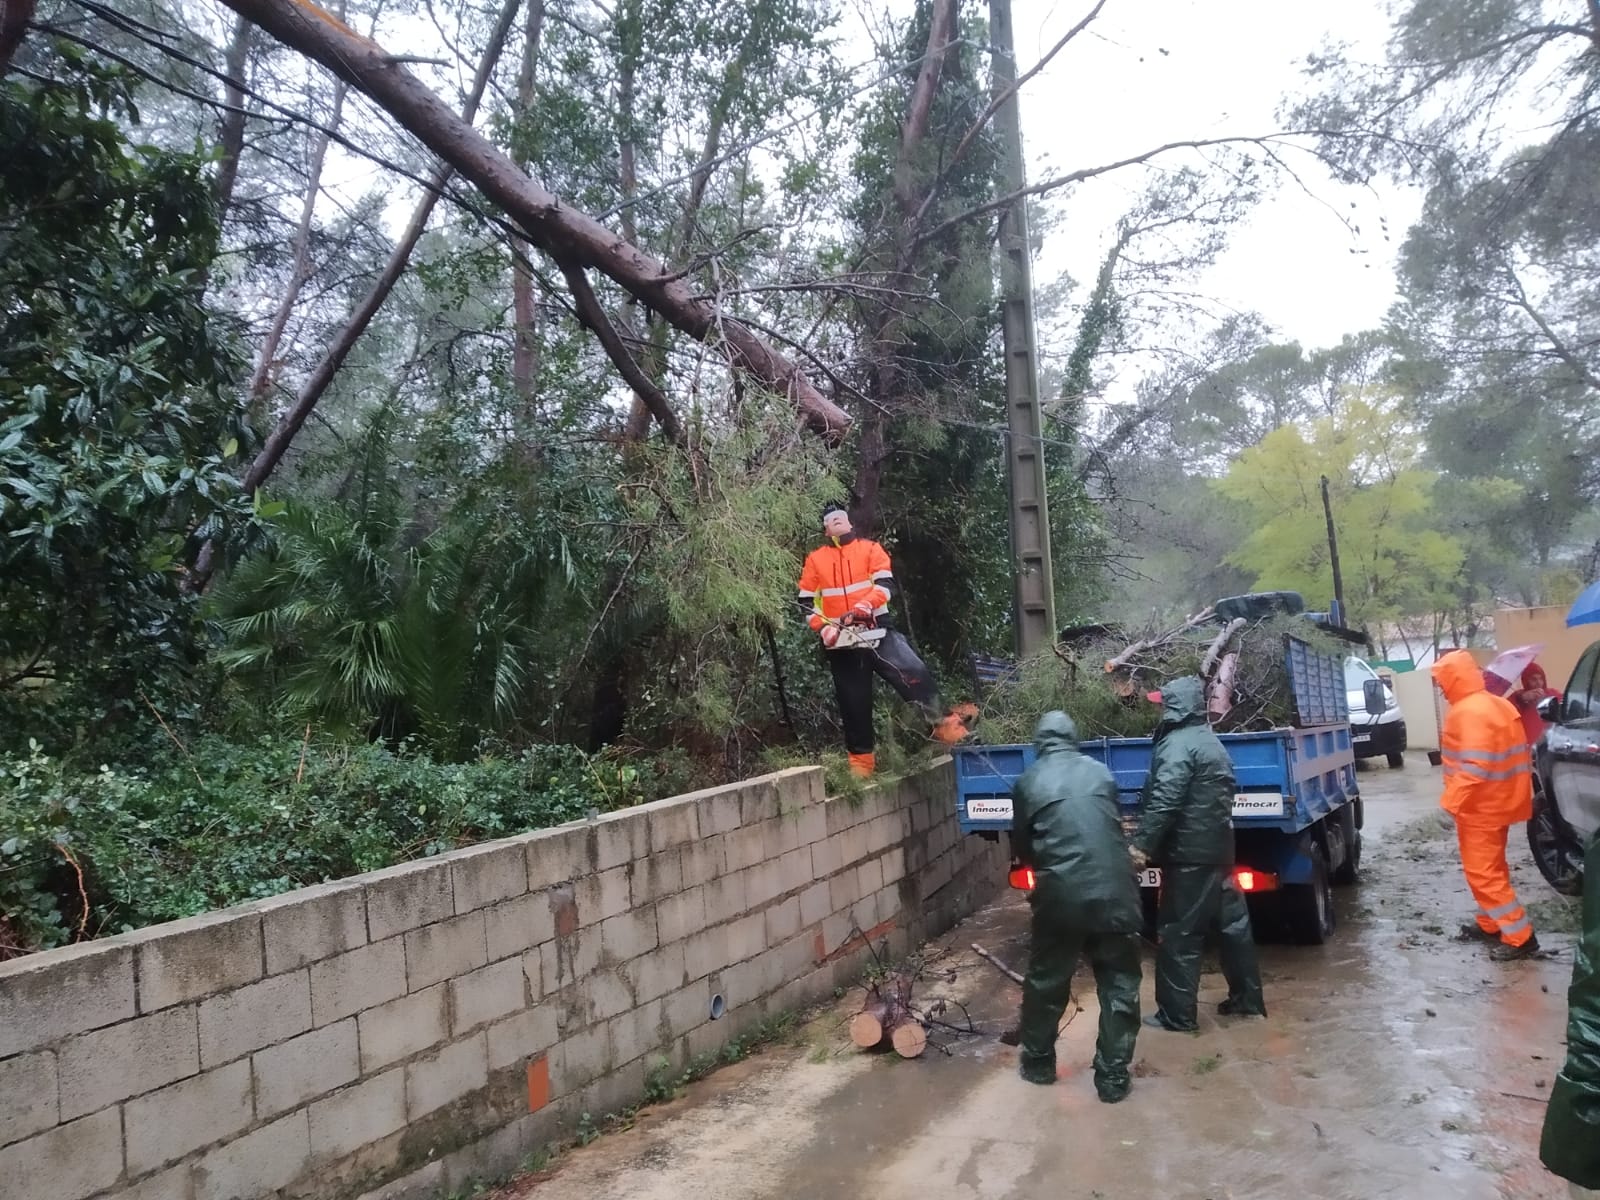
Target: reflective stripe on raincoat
(1488,768)
(842,574)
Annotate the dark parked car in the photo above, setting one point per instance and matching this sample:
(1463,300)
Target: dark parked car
(1566,808)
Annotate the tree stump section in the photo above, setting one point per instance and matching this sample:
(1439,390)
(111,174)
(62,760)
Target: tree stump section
(866,1027)
(910,1040)
(886,1020)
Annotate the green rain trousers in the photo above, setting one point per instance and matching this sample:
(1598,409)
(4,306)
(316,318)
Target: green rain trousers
(1196,900)
(1571,1143)
(1051,961)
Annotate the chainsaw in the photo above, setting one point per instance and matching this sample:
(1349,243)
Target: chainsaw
(856,636)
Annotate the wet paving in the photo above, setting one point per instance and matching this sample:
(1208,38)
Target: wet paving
(1396,1063)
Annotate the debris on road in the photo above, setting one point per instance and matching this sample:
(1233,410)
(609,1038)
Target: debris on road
(986,956)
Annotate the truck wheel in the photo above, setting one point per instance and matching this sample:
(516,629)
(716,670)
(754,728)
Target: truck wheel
(1397,760)
(1309,906)
(1350,868)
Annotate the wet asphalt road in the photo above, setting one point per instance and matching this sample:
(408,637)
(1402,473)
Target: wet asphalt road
(1396,1063)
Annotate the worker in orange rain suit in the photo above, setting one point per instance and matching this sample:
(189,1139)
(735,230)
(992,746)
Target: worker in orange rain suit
(846,587)
(1488,787)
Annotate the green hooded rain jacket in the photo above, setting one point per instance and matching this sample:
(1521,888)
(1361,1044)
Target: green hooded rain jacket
(1187,817)
(1067,828)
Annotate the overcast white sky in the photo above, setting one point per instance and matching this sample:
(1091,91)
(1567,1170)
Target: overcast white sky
(1227,65)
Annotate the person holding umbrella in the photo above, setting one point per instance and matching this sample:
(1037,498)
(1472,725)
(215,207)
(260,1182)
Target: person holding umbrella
(1516,675)
(1535,689)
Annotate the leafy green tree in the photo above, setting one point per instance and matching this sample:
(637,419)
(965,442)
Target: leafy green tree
(118,427)
(1498,280)
(1500,275)
(1392,555)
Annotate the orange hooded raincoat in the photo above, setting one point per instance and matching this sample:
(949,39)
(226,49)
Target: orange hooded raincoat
(1488,787)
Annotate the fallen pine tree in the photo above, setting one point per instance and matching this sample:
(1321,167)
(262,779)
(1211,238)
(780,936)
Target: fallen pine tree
(1101,681)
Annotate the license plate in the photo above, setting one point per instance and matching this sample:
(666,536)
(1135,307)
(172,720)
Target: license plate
(1361,737)
(988,810)
(1150,877)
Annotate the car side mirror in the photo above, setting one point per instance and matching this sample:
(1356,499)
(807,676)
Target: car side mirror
(1376,698)
(1550,708)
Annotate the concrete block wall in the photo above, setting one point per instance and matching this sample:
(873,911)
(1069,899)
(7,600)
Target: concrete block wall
(390,1036)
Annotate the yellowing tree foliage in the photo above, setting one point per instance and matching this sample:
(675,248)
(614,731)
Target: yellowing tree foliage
(1393,557)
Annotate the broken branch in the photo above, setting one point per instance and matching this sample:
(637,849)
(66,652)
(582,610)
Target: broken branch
(1004,970)
(593,315)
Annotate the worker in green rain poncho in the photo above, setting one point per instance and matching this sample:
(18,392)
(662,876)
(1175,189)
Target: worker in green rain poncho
(1085,904)
(1571,1143)
(1186,829)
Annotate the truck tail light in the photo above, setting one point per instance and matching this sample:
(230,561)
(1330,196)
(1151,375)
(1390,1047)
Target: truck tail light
(1248,879)
(1022,878)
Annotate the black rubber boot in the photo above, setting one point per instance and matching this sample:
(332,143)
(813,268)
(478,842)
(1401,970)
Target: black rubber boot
(1232,1007)
(1237,952)
(1038,1072)
(1188,906)
(1112,1091)
(1156,1021)
(1504,953)
(1115,957)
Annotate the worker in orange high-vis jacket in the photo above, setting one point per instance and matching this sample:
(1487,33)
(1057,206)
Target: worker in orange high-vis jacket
(845,588)
(1488,788)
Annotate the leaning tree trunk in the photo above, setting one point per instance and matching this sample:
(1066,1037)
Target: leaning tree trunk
(322,375)
(549,223)
(261,379)
(231,128)
(888,373)
(524,319)
(14,18)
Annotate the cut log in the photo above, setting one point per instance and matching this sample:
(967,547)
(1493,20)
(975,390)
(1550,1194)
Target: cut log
(886,1019)
(910,1040)
(866,1028)
(1220,702)
(1219,646)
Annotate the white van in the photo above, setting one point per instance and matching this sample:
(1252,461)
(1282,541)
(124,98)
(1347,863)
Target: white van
(1376,725)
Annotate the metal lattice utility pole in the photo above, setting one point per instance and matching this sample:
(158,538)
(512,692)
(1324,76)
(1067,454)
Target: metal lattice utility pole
(1035,603)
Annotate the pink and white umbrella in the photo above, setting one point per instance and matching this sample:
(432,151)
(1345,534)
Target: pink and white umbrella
(1504,672)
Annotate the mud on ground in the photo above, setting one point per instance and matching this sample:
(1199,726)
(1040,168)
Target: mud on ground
(1396,1063)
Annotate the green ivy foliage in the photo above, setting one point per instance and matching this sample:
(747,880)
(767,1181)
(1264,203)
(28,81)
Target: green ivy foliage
(223,822)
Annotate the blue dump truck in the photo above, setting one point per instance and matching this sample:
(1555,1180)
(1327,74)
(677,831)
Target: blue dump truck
(1297,814)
